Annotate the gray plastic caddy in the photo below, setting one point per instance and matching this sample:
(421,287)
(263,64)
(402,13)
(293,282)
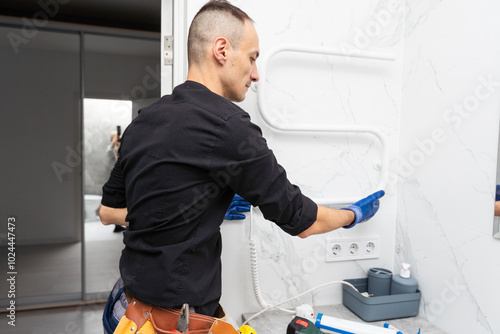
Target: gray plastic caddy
(380,307)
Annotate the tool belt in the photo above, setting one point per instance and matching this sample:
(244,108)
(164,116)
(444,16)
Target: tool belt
(147,319)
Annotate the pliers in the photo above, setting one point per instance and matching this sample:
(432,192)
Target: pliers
(183,320)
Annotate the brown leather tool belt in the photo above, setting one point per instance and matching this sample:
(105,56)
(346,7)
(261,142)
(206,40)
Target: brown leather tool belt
(164,320)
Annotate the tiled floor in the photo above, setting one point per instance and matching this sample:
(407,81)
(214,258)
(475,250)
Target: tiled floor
(65,320)
(55,270)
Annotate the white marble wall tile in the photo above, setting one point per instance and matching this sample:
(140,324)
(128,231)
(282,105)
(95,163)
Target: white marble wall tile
(440,191)
(453,275)
(324,90)
(451,92)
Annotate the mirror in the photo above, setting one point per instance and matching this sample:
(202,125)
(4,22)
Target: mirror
(121,76)
(103,244)
(54,258)
(496,218)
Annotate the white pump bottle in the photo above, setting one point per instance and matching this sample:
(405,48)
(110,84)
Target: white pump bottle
(403,283)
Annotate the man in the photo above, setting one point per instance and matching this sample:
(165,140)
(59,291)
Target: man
(183,159)
(112,153)
(497,201)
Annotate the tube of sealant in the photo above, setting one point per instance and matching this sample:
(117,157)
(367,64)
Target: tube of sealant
(349,327)
(386,325)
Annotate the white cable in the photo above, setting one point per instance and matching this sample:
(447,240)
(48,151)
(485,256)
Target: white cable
(255,280)
(254,267)
(255,275)
(297,296)
(255,270)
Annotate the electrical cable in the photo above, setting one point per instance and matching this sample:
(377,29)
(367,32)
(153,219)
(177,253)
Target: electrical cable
(255,280)
(255,269)
(297,296)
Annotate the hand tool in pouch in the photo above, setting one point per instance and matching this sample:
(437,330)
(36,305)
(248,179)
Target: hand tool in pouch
(183,321)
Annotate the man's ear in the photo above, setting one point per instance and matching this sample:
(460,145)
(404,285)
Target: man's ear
(220,49)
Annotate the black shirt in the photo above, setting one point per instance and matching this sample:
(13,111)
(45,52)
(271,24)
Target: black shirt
(181,162)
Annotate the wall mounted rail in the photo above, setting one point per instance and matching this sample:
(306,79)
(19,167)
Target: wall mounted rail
(315,128)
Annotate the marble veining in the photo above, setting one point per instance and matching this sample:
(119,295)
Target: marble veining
(438,104)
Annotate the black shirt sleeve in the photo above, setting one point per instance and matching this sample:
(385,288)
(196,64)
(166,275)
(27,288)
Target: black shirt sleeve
(113,192)
(243,160)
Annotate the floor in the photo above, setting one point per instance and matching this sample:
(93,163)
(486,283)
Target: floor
(68,320)
(55,271)
(103,249)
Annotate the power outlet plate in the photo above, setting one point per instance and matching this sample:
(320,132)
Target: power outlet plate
(346,249)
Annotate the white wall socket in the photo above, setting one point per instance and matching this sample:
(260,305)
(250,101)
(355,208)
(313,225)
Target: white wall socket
(345,249)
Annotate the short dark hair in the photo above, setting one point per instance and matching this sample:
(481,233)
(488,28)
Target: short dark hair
(216,18)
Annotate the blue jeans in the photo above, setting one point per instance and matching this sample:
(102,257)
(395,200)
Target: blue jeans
(115,307)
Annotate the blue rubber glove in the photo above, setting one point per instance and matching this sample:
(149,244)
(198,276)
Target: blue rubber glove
(365,208)
(237,205)
(497,195)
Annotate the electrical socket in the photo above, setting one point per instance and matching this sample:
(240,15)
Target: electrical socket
(336,249)
(353,248)
(345,249)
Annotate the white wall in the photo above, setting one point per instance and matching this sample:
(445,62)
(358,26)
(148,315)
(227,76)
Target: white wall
(306,89)
(438,211)
(445,198)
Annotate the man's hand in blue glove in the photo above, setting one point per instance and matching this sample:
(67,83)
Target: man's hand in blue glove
(365,208)
(237,205)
